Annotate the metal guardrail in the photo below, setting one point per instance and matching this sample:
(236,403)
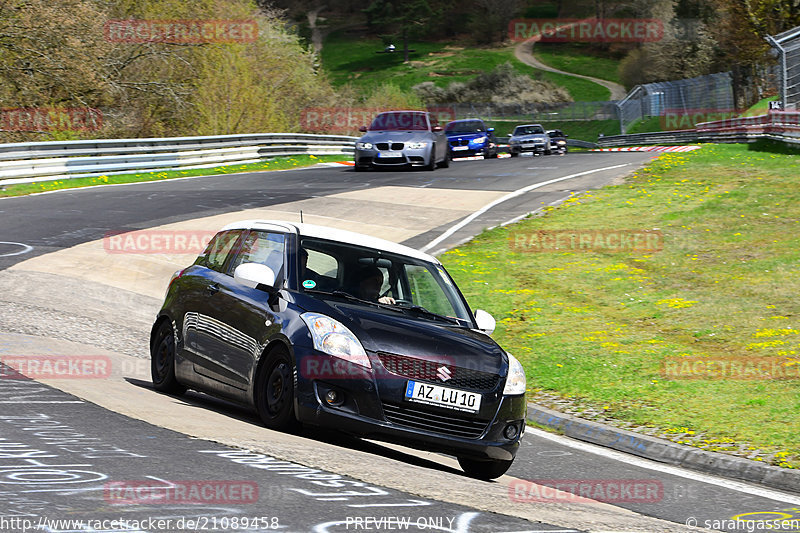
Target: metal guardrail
(25,162)
(581,144)
(658,137)
(783,126)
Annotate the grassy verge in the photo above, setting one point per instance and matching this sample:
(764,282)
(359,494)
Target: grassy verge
(280,163)
(596,329)
(355,61)
(578,59)
(761,107)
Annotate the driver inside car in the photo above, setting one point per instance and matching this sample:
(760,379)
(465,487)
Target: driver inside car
(369,288)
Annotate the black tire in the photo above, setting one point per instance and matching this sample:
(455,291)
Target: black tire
(447,159)
(274,391)
(432,164)
(514,154)
(162,361)
(360,169)
(484,469)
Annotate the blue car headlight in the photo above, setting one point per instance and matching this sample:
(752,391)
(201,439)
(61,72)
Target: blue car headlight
(479,140)
(333,338)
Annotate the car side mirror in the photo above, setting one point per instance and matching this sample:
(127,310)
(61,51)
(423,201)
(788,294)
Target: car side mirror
(255,274)
(485,321)
(362,129)
(565,135)
(490,130)
(437,129)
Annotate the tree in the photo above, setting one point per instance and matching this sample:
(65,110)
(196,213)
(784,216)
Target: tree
(399,16)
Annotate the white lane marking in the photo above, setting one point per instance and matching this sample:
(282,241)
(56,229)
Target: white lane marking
(41,401)
(667,469)
(25,248)
(508,196)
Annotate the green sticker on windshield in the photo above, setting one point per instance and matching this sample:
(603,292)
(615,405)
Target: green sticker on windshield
(309,284)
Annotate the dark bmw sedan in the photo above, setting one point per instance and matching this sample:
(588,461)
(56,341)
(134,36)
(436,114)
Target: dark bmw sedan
(313,325)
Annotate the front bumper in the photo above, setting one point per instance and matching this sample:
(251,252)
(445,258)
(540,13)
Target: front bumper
(529,147)
(375,407)
(467,150)
(414,157)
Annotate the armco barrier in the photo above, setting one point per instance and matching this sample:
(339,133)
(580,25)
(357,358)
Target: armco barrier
(24,162)
(658,137)
(783,126)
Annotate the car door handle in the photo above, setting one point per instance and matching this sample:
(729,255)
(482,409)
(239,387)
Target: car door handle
(212,289)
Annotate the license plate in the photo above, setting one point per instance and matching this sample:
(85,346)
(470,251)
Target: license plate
(443,396)
(390,154)
(460,147)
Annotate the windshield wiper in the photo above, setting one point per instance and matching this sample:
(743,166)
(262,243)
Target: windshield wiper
(347,296)
(422,311)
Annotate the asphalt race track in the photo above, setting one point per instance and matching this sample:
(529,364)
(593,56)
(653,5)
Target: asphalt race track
(69,449)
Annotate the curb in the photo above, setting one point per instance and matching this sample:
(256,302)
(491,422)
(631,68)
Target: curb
(664,451)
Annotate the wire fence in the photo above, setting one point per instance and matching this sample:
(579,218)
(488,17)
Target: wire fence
(570,111)
(787,46)
(712,93)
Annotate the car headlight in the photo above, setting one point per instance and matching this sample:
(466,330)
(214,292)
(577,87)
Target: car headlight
(333,338)
(416,146)
(364,146)
(515,382)
(513,141)
(479,140)
(562,142)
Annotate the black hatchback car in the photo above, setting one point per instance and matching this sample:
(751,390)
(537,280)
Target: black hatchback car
(307,324)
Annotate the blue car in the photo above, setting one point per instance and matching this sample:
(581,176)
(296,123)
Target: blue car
(471,137)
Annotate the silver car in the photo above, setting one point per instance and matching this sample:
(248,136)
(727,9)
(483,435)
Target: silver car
(402,139)
(529,138)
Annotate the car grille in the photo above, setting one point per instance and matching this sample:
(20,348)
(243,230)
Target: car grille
(459,142)
(390,161)
(389,146)
(424,370)
(453,425)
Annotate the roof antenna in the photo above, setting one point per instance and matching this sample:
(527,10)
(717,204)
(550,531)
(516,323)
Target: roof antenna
(301,216)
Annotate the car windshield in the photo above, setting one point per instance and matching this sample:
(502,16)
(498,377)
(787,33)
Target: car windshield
(376,278)
(472,126)
(528,130)
(400,121)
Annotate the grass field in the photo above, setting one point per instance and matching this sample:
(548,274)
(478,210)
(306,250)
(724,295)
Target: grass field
(599,329)
(578,59)
(279,163)
(348,59)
